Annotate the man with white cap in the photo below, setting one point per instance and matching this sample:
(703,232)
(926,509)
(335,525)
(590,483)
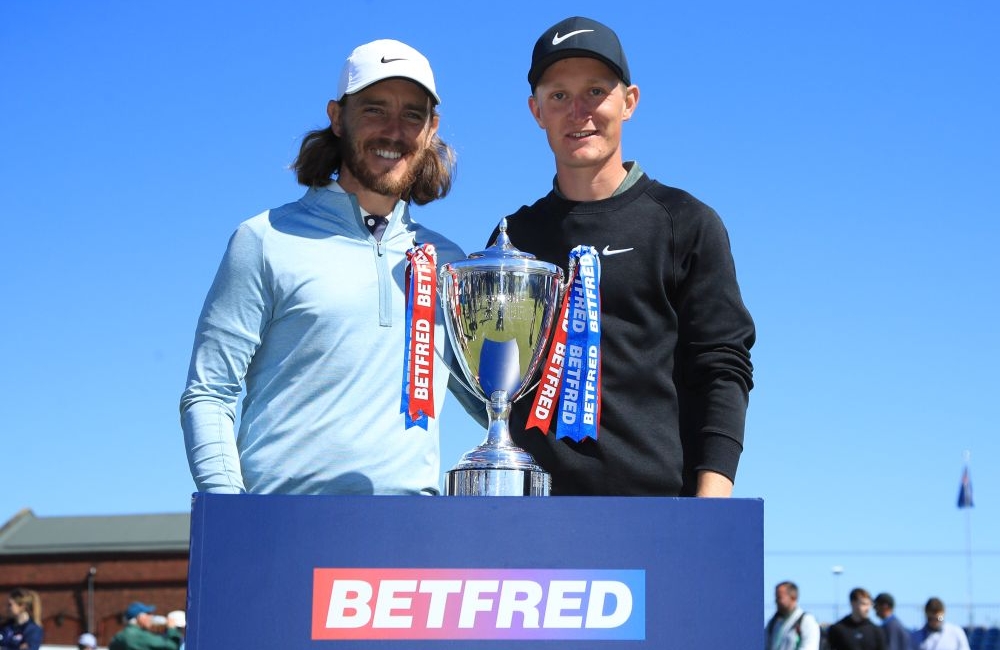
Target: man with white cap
(307,309)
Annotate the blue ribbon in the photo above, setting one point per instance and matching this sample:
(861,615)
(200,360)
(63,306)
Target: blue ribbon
(579,398)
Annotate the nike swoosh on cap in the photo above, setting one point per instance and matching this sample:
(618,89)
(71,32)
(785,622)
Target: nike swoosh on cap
(385,60)
(614,251)
(557,39)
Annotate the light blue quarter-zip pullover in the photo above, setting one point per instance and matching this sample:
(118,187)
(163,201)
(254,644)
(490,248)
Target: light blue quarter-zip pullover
(307,310)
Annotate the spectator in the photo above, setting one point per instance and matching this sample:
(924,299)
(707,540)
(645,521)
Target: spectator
(790,628)
(937,633)
(87,641)
(21,630)
(138,633)
(308,314)
(896,636)
(856,631)
(179,620)
(674,371)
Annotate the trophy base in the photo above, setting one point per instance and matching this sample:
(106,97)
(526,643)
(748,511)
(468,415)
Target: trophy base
(498,482)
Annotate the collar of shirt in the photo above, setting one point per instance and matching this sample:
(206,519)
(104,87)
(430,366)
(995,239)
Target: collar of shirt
(376,224)
(634,174)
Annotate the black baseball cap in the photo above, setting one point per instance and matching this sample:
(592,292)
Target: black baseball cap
(582,37)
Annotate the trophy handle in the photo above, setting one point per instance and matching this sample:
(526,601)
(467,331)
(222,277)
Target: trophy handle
(571,268)
(459,376)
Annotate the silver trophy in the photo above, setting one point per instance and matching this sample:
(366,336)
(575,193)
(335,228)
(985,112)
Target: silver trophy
(500,305)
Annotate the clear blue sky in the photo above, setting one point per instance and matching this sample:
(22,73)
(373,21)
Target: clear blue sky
(852,148)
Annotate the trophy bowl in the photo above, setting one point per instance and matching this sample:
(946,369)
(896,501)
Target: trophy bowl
(500,305)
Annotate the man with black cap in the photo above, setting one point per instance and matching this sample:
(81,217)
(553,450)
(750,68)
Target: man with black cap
(307,310)
(897,637)
(138,632)
(675,336)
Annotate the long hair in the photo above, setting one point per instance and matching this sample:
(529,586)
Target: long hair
(320,157)
(30,600)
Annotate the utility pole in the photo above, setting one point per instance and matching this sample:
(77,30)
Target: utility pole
(90,599)
(837,570)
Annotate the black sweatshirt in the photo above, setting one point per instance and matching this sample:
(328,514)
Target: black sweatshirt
(675,342)
(849,634)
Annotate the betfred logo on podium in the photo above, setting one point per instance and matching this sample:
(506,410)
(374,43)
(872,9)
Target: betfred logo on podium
(509,604)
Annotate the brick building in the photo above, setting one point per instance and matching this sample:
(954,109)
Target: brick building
(88,569)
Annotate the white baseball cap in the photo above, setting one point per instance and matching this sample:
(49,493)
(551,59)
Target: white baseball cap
(385,59)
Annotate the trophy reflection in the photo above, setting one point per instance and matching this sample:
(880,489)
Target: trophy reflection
(500,305)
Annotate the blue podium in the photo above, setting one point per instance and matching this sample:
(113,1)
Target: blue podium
(298,572)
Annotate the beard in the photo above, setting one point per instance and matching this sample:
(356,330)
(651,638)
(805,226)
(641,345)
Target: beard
(384,183)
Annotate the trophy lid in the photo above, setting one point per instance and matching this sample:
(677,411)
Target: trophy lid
(502,256)
(502,248)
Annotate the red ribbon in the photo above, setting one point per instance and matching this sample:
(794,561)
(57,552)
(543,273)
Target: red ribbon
(547,393)
(421,294)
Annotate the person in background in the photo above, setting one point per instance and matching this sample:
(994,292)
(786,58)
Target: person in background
(138,632)
(856,631)
(308,313)
(897,637)
(675,336)
(937,633)
(22,629)
(790,628)
(87,641)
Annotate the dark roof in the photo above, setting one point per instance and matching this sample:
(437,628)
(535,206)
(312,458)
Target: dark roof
(26,534)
